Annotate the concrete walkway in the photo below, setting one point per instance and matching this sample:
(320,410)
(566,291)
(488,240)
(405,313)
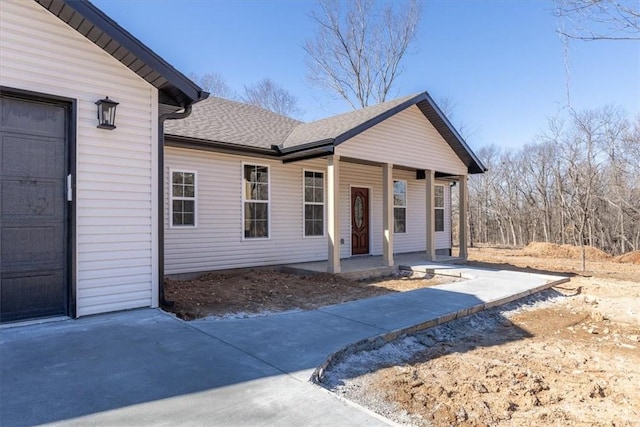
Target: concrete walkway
(145,367)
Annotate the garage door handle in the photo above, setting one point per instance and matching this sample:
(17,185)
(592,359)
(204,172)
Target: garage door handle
(69,188)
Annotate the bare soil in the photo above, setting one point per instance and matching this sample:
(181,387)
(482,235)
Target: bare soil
(243,293)
(567,357)
(541,257)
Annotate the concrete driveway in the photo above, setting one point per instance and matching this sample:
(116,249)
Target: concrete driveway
(145,367)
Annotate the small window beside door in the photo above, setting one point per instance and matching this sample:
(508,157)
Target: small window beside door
(313,204)
(439,207)
(399,206)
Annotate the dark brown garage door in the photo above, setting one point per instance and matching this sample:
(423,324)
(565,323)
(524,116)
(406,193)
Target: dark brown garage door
(33,226)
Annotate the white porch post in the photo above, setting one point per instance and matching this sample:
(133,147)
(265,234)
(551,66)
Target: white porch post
(333,213)
(462,185)
(387,214)
(431,216)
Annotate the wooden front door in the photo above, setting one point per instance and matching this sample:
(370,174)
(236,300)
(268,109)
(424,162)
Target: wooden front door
(359,221)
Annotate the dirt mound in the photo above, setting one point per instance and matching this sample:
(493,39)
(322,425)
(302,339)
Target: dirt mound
(552,250)
(630,257)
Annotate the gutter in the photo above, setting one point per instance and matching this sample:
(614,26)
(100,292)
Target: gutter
(316,144)
(161,119)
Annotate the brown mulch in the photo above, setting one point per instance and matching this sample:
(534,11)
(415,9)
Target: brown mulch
(253,291)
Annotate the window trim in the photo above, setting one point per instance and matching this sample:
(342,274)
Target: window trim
(194,198)
(244,200)
(405,207)
(324,204)
(442,208)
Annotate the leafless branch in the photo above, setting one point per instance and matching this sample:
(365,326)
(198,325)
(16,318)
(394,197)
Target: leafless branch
(599,19)
(270,96)
(359,46)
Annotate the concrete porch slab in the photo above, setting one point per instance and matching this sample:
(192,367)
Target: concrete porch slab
(363,267)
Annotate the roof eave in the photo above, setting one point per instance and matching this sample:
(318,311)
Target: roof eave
(174,87)
(377,119)
(209,145)
(474,165)
(455,141)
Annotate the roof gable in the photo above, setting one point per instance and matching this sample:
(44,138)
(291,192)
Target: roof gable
(174,88)
(338,129)
(406,139)
(343,126)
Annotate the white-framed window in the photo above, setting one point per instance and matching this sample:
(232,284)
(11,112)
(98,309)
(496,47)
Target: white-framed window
(313,203)
(438,203)
(255,200)
(183,198)
(399,206)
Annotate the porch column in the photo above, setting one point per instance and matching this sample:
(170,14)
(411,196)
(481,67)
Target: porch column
(333,213)
(462,186)
(387,214)
(431,216)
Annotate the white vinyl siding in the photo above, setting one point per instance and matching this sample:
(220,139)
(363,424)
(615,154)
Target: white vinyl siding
(218,242)
(356,175)
(116,252)
(407,139)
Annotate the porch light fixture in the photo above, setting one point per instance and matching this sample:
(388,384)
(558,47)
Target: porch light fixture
(106,113)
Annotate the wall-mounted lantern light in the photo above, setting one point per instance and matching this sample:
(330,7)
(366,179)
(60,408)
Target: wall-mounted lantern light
(106,113)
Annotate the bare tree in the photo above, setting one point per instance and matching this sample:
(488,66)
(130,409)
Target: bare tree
(270,96)
(215,84)
(358,47)
(600,19)
(578,183)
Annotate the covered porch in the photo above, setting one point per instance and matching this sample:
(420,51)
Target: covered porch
(338,263)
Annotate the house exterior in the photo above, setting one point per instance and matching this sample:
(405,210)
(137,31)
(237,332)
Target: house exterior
(248,187)
(80,204)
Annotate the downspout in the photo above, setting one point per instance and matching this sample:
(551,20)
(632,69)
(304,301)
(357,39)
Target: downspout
(161,119)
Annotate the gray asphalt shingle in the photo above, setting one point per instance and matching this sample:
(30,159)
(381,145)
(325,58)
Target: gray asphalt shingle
(229,122)
(333,127)
(222,120)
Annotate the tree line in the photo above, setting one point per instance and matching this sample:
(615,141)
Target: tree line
(578,183)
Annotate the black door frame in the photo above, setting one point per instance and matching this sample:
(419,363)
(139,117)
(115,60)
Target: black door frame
(71,107)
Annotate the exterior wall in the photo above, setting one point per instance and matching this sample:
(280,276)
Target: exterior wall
(116,241)
(217,241)
(422,146)
(414,240)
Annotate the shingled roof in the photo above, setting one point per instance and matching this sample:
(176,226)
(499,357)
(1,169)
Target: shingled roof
(222,120)
(332,128)
(219,122)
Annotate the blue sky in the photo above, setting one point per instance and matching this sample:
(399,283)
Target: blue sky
(501,63)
